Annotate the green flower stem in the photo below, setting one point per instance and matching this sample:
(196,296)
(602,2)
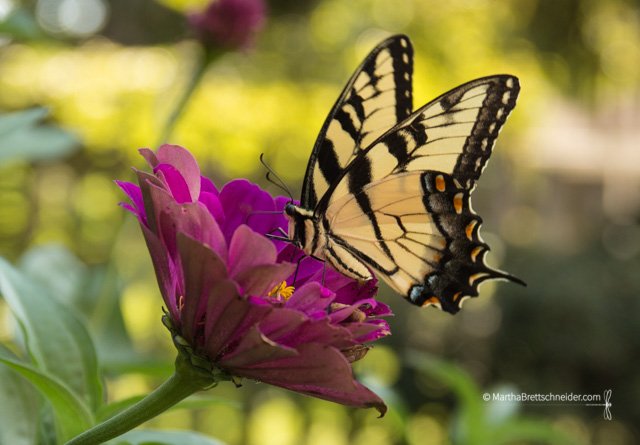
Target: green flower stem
(207,57)
(186,380)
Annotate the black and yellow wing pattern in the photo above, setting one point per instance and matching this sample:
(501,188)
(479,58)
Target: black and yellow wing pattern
(388,189)
(376,98)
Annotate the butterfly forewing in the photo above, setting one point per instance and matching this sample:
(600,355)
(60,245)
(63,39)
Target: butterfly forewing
(376,98)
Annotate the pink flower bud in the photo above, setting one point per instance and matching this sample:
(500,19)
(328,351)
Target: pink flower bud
(229,24)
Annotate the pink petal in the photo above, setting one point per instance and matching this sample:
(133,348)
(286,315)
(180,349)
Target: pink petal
(202,269)
(255,348)
(192,219)
(248,249)
(228,318)
(245,203)
(175,182)
(369,331)
(165,273)
(183,161)
(145,180)
(311,298)
(375,329)
(344,313)
(212,203)
(135,195)
(280,323)
(318,331)
(149,156)
(318,371)
(207,185)
(259,280)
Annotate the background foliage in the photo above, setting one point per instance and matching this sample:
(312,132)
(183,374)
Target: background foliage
(85,83)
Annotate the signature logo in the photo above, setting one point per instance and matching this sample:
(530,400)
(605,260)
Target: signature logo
(607,404)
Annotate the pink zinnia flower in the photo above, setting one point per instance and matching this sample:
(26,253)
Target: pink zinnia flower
(229,290)
(229,24)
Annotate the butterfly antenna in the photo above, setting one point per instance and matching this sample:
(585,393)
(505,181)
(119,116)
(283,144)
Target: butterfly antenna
(274,179)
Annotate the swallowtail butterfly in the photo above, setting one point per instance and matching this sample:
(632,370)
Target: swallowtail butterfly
(387,189)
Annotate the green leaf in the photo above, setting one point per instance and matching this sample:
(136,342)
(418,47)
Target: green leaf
(471,422)
(22,138)
(94,291)
(102,292)
(56,339)
(55,268)
(19,408)
(480,422)
(47,426)
(21,25)
(21,120)
(528,431)
(157,437)
(71,413)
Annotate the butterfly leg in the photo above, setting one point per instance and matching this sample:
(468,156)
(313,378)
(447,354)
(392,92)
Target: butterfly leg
(324,267)
(303,257)
(295,275)
(282,235)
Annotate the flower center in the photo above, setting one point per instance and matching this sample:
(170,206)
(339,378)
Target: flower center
(281,291)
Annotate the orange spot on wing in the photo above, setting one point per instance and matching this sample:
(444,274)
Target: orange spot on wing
(440,184)
(457,202)
(431,300)
(456,296)
(475,252)
(469,229)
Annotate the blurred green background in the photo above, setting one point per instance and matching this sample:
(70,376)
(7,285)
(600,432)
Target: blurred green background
(560,200)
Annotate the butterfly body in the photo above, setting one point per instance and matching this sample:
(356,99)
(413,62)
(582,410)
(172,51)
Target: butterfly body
(314,239)
(387,189)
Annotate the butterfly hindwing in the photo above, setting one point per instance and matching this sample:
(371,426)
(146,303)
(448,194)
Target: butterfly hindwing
(376,98)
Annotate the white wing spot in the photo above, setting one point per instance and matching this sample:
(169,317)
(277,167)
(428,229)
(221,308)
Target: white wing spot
(506,96)
(500,113)
(509,83)
(403,42)
(407,93)
(492,127)
(405,58)
(478,162)
(484,144)
(406,76)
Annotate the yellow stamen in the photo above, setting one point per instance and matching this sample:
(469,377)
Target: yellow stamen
(281,291)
